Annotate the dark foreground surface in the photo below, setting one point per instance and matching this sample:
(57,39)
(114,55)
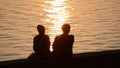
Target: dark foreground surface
(105,59)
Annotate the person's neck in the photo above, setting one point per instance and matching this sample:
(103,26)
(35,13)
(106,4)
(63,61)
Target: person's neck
(41,34)
(65,34)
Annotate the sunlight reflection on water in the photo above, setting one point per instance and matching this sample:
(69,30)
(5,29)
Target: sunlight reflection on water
(94,23)
(57,15)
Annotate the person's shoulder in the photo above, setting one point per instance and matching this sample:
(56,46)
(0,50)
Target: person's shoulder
(46,36)
(71,36)
(59,36)
(36,36)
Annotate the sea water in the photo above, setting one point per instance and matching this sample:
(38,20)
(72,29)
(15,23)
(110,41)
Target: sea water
(94,23)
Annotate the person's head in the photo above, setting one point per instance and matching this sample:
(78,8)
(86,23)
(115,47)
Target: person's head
(66,28)
(41,29)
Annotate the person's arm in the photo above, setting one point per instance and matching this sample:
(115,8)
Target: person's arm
(54,43)
(35,48)
(48,43)
(72,39)
(71,47)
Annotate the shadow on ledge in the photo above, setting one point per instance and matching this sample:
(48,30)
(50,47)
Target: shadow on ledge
(104,59)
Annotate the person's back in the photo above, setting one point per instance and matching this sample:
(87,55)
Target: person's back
(41,44)
(62,46)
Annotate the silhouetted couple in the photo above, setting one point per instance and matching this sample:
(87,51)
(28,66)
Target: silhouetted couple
(62,46)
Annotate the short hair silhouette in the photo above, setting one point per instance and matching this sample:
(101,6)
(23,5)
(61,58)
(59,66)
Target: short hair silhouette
(62,46)
(41,29)
(66,28)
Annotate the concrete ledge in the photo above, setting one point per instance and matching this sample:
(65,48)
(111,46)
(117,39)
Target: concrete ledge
(103,59)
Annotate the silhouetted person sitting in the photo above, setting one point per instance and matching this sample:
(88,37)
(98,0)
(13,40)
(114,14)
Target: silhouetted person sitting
(41,45)
(62,46)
